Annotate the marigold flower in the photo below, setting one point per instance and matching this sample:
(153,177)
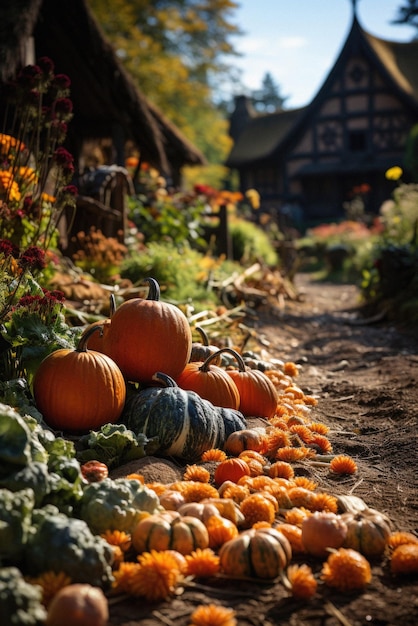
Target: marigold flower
(346,570)
(291,369)
(234,492)
(194,491)
(124,575)
(302,581)
(305,482)
(294,536)
(156,577)
(400,538)
(50,582)
(213,615)
(394,173)
(302,431)
(322,442)
(323,502)
(281,469)
(118,538)
(343,464)
(296,515)
(202,563)
(214,454)
(196,473)
(220,530)
(258,507)
(289,454)
(319,427)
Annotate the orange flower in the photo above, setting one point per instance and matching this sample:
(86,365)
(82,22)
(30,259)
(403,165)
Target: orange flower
(157,576)
(194,491)
(323,502)
(258,507)
(214,454)
(196,473)
(136,476)
(202,563)
(291,369)
(124,575)
(234,492)
(296,515)
(305,482)
(322,442)
(303,432)
(343,464)
(213,615)
(289,454)
(51,582)
(400,538)
(118,538)
(302,581)
(319,427)
(346,570)
(405,559)
(281,469)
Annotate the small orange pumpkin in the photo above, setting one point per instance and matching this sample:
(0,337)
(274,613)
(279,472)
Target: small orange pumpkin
(367,532)
(232,470)
(258,395)
(257,552)
(211,382)
(147,335)
(79,390)
(246,439)
(170,531)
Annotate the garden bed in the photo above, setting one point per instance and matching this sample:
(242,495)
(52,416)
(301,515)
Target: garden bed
(365,377)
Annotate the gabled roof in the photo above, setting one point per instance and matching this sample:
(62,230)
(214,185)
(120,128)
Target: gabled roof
(265,134)
(103,93)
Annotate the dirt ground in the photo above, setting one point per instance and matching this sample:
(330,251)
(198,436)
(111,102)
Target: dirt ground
(365,376)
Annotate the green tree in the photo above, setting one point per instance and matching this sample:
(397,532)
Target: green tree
(175,50)
(268,99)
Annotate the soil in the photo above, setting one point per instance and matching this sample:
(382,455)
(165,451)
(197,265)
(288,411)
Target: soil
(365,377)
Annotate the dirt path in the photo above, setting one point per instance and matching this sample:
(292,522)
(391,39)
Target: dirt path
(365,377)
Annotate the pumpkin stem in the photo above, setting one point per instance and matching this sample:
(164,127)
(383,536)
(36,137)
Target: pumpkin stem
(203,335)
(165,379)
(154,289)
(241,365)
(82,344)
(112,304)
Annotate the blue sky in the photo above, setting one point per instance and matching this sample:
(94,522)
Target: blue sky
(297,41)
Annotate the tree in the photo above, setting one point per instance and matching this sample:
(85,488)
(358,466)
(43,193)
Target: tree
(408,14)
(175,50)
(268,99)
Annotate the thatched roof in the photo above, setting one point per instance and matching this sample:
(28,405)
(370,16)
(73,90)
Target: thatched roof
(105,98)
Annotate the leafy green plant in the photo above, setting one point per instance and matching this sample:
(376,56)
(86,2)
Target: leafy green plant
(251,244)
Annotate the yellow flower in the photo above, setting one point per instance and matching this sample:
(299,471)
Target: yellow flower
(254,198)
(9,186)
(394,173)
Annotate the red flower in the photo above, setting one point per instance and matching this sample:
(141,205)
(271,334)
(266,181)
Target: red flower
(8,248)
(33,258)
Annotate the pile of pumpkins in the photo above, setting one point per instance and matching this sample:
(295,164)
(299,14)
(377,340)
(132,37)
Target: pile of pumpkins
(141,367)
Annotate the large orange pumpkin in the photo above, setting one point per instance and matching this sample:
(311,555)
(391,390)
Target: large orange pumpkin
(79,390)
(258,395)
(147,336)
(211,382)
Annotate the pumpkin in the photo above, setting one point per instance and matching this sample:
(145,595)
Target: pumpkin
(232,470)
(201,510)
(170,531)
(257,552)
(367,532)
(258,395)
(201,351)
(323,530)
(211,382)
(96,341)
(79,390)
(247,439)
(94,471)
(81,604)
(185,424)
(147,335)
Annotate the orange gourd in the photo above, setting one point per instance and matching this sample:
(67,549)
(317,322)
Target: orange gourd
(257,552)
(211,382)
(170,531)
(231,470)
(367,532)
(321,531)
(246,439)
(147,335)
(79,390)
(258,395)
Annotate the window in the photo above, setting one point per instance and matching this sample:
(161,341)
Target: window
(357,141)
